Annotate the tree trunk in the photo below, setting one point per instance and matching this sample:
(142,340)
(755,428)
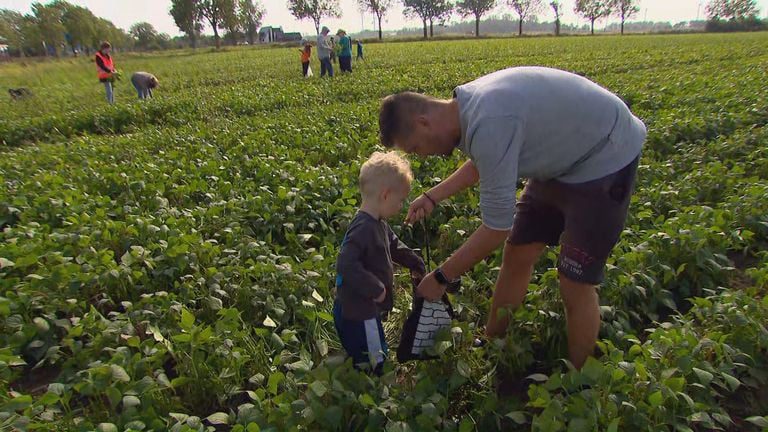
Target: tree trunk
(216,38)
(425,27)
(431,29)
(622,27)
(557,27)
(520,27)
(193,40)
(592,31)
(477,25)
(317,25)
(380,35)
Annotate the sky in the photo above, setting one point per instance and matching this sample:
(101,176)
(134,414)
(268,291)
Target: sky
(125,13)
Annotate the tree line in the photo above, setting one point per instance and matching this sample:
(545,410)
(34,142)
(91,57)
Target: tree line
(59,25)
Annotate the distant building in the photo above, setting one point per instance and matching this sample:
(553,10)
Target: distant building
(268,34)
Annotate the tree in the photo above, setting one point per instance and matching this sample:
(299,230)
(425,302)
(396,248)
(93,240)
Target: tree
(428,11)
(12,29)
(231,21)
(49,23)
(376,7)
(734,10)
(525,9)
(440,11)
(145,34)
(80,25)
(187,15)
(626,9)
(217,13)
(593,10)
(315,10)
(557,7)
(251,14)
(420,9)
(476,8)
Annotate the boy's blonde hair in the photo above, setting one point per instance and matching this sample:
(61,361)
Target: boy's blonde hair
(384,169)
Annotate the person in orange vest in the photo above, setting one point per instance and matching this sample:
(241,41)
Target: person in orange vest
(306,54)
(105,67)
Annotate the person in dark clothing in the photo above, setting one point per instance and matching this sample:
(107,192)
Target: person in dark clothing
(105,69)
(359,50)
(364,269)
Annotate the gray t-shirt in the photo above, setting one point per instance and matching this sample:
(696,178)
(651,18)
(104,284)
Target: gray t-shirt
(323,47)
(541,123)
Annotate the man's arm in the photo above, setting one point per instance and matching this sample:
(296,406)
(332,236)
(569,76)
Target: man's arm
(464,177)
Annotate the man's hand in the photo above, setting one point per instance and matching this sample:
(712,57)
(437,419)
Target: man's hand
(420,208)
(380,298)
(430,288)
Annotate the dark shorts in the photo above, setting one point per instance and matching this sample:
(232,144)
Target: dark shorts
(586,219)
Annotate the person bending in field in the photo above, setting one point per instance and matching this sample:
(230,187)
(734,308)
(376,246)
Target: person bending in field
(144,83)
(105,69)
(306,54)
(364,269)
(577,144)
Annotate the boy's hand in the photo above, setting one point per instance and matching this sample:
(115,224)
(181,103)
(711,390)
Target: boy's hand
(430,288)
(420,208)
(380,298)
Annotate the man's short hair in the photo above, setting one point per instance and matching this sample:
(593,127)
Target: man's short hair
(384,169)
(397,115)
(105,45)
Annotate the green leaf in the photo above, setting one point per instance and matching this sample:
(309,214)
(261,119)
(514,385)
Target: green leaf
(218,418)
(758,421)
(269,322)
(187,319)
(275,379)
(253,427)
(119,374)
(466,425)
(614,426)
(48,399)
(317,296)
(325,316)
(5,263)
(537,377)
(318,388)
(517,417)
(704,376)
(733,383)
(130,401)
(41,324)
(656,399)
(106,427)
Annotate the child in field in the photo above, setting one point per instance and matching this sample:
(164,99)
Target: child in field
(364,269)
(306,54)
(359,50)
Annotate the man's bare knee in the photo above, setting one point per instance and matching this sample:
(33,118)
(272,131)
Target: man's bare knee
(525,255)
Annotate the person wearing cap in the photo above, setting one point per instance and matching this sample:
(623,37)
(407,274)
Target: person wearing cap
(324,49)
(345,52)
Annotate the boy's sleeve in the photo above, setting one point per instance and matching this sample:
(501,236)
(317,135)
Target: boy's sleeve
(350,272)
(403,255)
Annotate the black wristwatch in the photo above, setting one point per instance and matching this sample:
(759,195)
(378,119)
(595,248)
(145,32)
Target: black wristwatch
(452,286)
(441,278)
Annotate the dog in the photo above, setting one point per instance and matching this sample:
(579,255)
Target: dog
(20,93)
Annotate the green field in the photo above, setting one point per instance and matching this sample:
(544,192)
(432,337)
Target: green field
(168,265)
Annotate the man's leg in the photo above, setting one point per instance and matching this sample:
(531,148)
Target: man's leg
(512,283)
(582,313)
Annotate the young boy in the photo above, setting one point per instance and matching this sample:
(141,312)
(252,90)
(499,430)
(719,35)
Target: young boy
(364,270)
(306,54)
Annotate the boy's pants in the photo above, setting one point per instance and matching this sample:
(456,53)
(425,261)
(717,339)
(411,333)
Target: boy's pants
(363,340)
